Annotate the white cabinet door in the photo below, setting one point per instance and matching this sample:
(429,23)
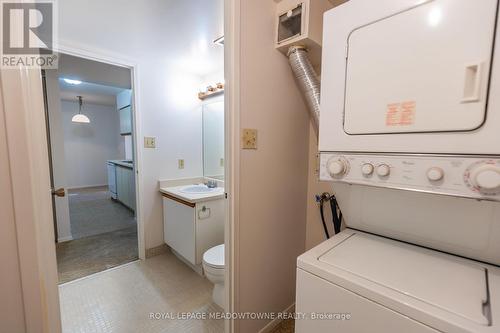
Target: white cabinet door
(131,189)
(125,120)
(425,69)
(120,189)
(209,226)
(124,99)
(125,186)
(179,228)
(112,179)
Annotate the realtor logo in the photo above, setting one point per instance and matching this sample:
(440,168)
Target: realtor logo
(28,34)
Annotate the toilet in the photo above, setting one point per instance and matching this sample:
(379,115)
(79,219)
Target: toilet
(213,266)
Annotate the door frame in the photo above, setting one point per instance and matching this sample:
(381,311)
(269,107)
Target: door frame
(114,59)
(232,58)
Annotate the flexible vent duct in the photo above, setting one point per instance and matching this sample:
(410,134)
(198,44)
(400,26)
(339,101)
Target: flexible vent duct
(308,80)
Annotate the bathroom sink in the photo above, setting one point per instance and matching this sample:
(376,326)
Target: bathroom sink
(198,189)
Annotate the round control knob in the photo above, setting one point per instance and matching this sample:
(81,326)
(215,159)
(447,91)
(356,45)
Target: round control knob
(435,174)
(367,169)
(336,167)
(486,178)
(383,170)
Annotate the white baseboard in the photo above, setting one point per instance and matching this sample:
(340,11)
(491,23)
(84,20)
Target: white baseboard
(275,322)
(64,239)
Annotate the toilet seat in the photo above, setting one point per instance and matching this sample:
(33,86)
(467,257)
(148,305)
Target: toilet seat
(214,257)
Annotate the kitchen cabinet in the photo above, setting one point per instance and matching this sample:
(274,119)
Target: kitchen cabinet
(112,179)
(191,229)
(126,120)
(124,106)
(125,186)
(124,99)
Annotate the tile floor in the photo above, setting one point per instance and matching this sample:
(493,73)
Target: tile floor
(121,299)
(93,212)
(85,256)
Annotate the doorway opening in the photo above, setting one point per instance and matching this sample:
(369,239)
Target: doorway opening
(91,133)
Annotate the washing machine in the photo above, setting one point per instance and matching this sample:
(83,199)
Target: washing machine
(410,141)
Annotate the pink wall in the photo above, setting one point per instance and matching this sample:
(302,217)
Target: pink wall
(273,179)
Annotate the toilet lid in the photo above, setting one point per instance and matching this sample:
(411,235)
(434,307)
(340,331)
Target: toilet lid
(215,256)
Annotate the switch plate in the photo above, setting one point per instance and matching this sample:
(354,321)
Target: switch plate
(149,142)
(221,162)
(249,138)
(180,164)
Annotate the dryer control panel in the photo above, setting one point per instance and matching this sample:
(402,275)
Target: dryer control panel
(470,177)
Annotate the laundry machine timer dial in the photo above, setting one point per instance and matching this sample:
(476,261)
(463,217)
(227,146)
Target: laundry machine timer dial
(484,177)
(337,166)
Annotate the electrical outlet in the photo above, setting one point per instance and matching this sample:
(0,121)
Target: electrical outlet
(249,138)
(180,163)
(149,142)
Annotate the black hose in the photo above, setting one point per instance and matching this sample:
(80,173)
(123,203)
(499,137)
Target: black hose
(327,234)
(336,213)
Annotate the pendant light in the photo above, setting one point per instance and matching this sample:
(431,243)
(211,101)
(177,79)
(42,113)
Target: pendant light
(80,118)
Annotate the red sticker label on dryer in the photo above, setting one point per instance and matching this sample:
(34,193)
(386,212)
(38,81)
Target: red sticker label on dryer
(400,114)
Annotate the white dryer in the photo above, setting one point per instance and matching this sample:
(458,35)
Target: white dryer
(410,139)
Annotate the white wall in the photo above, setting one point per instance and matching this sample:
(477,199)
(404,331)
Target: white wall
(87,147)
(170,41)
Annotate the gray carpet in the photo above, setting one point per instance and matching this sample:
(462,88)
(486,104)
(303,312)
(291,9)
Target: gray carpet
(93,212)
(85,256)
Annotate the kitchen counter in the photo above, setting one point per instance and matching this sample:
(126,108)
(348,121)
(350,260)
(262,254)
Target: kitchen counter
(123,163)
(192,198)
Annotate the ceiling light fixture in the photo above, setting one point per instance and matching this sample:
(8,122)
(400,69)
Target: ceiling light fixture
(73,82)
(79,117)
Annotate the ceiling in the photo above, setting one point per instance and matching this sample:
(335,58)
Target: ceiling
(91,93)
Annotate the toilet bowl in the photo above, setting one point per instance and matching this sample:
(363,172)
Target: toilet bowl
(213,266)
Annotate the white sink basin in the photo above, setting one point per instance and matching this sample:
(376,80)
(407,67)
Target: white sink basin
(198,189)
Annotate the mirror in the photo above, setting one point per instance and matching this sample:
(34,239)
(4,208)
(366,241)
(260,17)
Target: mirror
(213,139)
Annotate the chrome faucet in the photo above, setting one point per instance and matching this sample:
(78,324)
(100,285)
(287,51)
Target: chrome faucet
(211,183)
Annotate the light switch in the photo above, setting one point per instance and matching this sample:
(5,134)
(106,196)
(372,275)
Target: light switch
(149,142)
(221,162)
(249,138)
(180,164)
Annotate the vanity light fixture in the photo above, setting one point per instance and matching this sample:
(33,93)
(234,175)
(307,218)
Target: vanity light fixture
(211,91)
(80,117)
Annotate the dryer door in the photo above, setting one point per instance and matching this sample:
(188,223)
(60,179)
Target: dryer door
(425,69)
(411,76)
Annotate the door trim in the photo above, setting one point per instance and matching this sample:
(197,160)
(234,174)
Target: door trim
(89,53)
(232,58)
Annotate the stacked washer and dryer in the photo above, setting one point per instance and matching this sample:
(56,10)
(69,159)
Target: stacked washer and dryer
(410,139)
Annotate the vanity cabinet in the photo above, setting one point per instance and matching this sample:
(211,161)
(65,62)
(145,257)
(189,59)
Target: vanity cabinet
(190,229)
(125,186)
